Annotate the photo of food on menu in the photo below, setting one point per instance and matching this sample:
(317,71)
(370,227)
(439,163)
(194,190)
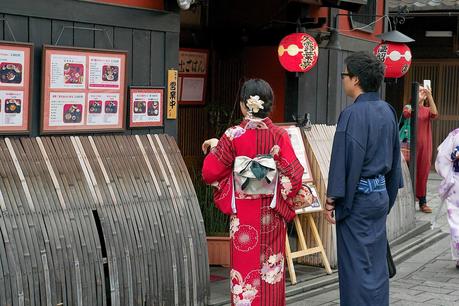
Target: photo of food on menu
(110,73)
(73,73)
(72,113)
(10,73)
(13,106)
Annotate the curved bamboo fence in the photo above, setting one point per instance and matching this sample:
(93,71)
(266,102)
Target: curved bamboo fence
(105,220)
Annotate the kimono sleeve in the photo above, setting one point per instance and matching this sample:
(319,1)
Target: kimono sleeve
(290,168)
(394,178)
(218,163)
(444,162)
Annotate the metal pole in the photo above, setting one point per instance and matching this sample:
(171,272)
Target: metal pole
(413,129)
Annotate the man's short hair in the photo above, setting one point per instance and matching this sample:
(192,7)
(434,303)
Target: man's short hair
(368,68)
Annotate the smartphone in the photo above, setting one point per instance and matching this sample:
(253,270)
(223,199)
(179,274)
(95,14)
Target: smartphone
(427,84)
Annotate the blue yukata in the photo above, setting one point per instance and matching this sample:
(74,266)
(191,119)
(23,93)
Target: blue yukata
(364,178)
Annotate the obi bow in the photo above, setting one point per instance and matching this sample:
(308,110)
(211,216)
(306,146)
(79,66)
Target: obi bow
(255,176)
(259,168)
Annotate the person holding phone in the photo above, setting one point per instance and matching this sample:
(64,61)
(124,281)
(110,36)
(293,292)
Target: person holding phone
(427,111)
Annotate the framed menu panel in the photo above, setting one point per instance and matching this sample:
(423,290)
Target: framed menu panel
(296,137)
(83,90)
(192,76)
(15,87)
(146,106)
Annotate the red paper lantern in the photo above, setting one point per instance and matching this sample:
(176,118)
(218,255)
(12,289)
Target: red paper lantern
(396,57)
(298,52)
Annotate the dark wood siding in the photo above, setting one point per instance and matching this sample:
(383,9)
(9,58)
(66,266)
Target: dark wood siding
(320,90)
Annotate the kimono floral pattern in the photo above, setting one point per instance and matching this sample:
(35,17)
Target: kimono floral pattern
(223,188)
(273,269)
(234,132)
(234,225)
(244,196)
(246,238)
(270,220)
(286,186)
(255,124)
(244,291)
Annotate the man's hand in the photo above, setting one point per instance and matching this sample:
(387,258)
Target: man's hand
(209,143)
(330,211)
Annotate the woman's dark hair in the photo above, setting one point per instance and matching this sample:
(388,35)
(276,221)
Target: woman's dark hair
(368,68)
(261,88)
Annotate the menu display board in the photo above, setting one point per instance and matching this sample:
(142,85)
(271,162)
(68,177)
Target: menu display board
(192,76)
(296,138)
(298,146)
(15,87)
(83,90)
(146,106)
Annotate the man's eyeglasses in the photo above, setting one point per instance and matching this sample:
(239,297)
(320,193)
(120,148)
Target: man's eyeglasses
(344,74)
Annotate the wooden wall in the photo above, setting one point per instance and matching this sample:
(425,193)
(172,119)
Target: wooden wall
(150,37)
(198,123)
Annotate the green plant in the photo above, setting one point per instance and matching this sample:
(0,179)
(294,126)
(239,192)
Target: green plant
(221,117)
(215,222)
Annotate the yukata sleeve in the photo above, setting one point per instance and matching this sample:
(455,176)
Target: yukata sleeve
(348,154)
(394,178)
(218,163)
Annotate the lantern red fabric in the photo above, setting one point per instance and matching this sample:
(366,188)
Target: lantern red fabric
(396,57)
(298,52)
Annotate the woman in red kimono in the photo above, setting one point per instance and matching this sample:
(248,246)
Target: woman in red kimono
(427,110)
(256,173)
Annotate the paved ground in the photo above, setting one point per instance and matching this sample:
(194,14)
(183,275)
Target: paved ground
(428,278)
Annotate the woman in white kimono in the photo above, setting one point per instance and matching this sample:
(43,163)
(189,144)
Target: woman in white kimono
(447,165)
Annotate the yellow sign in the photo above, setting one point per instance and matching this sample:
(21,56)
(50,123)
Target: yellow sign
(172,94)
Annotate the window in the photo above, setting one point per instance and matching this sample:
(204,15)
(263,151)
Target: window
(364,17)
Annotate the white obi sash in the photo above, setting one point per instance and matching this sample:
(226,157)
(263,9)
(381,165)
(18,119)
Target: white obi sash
(254,176)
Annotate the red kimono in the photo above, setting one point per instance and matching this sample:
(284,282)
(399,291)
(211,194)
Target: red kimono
(258,224)
(423,147)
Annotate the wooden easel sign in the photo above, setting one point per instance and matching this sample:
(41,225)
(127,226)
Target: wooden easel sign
(296,137)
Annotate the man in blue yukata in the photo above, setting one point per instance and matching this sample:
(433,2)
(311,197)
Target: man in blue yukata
(364,178)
